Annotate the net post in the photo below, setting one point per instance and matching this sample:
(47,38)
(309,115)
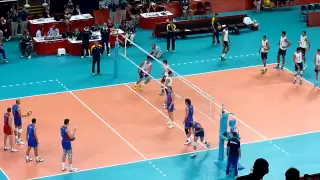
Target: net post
(116,56)
(224,136)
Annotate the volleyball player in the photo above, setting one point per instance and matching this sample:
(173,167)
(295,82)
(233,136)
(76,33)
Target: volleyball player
(317,65)
(67,137)
(144,70)
(226,42)
(164,76)
(198,131)
(7,130)
(284,43)
(17,115)
(187,120)
(170,106)
(264,53)
(304,44)
(33,141)
(298,62)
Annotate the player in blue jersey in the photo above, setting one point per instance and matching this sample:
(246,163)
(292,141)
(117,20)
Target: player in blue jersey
(33,141)
(187,119)
(198,131)
(17,116)
(170,106)
(67,137)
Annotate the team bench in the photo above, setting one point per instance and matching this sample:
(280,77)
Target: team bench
(201,26)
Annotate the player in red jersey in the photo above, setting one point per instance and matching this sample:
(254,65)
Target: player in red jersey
(7,130)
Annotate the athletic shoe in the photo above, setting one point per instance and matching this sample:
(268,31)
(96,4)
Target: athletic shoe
(5,61)
(187,143)
(6,148)
(14,150)
(281,68)
(193,154)
(276,67)
(315,84)
(28,160)
(170,126)
(140,87)
(208,145)
(64,168)
(39,160)
(108,54)
(20,142)
(161,94)
(93,74)
(73,170)
(134,87)
(294,81)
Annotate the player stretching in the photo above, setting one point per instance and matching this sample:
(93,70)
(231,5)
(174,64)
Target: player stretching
(33,141)
(167,85)
(297,59)
(187,120)
(170,106)
(283,45)
(304,44)
(7,130)
(165,75)
(17,115)
(144,70)
(67,137)
(198,132)
(226,43)
(317,66)
(264,53)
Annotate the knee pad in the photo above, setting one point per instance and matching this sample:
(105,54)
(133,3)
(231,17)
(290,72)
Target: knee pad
(19,130)
(194,144)
(186,131)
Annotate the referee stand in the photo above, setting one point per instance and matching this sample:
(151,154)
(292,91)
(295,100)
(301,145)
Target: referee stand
(224,135)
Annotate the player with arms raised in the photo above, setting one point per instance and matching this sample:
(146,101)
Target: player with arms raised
(67,137)
(7,130)
(17,115)
(187,120)
(198,131)
(144,70)
(33,141)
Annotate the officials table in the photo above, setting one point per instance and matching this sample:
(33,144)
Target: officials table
(76,21)
(149,20)
(48,47)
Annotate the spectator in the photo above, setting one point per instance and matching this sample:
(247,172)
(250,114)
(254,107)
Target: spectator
(26,45)
(110,24)
(4,29)
(53,31)
(186,11)
(76,35)
(260,169)
(24,19)
(77,11)
(95,28)
(86,33)
(257,5)
(156,51)
(233,153)
(39,33)
(292,174)
(144,8)
(69,6)
(102,4)
(113,11)
(14,23)
(134,13)
(152,7)
(67,15)
(105,33)
(46,13)
(307,177)
(123,9)
(4,58)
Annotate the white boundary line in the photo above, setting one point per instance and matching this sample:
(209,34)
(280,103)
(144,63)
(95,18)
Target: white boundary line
(180,154)
(4,174)
(97,87)
(291,72)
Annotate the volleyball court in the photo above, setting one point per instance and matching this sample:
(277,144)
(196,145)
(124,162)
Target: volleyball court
(207,109)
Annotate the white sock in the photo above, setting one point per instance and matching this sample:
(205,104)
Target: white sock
(27,157)
(70,166)
(63,165)
(295,78)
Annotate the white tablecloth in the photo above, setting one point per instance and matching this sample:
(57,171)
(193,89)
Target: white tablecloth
(52,20)
(156,14)
(97,33)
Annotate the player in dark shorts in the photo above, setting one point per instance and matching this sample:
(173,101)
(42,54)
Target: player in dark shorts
(33,141)
(264,53)
(284,43)
(144,71)
(226,43)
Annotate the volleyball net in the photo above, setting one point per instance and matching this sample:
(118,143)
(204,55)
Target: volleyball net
(202,100)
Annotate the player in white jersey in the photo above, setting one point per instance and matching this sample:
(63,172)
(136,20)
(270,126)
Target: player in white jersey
(264,53)
(167,85)
(304,43)
(226,43)
(317,65)
(298,62)
(144,70)
(164,75)
(283,45)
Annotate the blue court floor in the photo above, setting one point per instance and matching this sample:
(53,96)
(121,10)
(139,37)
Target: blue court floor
(37,76)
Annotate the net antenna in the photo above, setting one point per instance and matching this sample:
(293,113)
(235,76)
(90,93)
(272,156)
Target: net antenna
(188,83)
